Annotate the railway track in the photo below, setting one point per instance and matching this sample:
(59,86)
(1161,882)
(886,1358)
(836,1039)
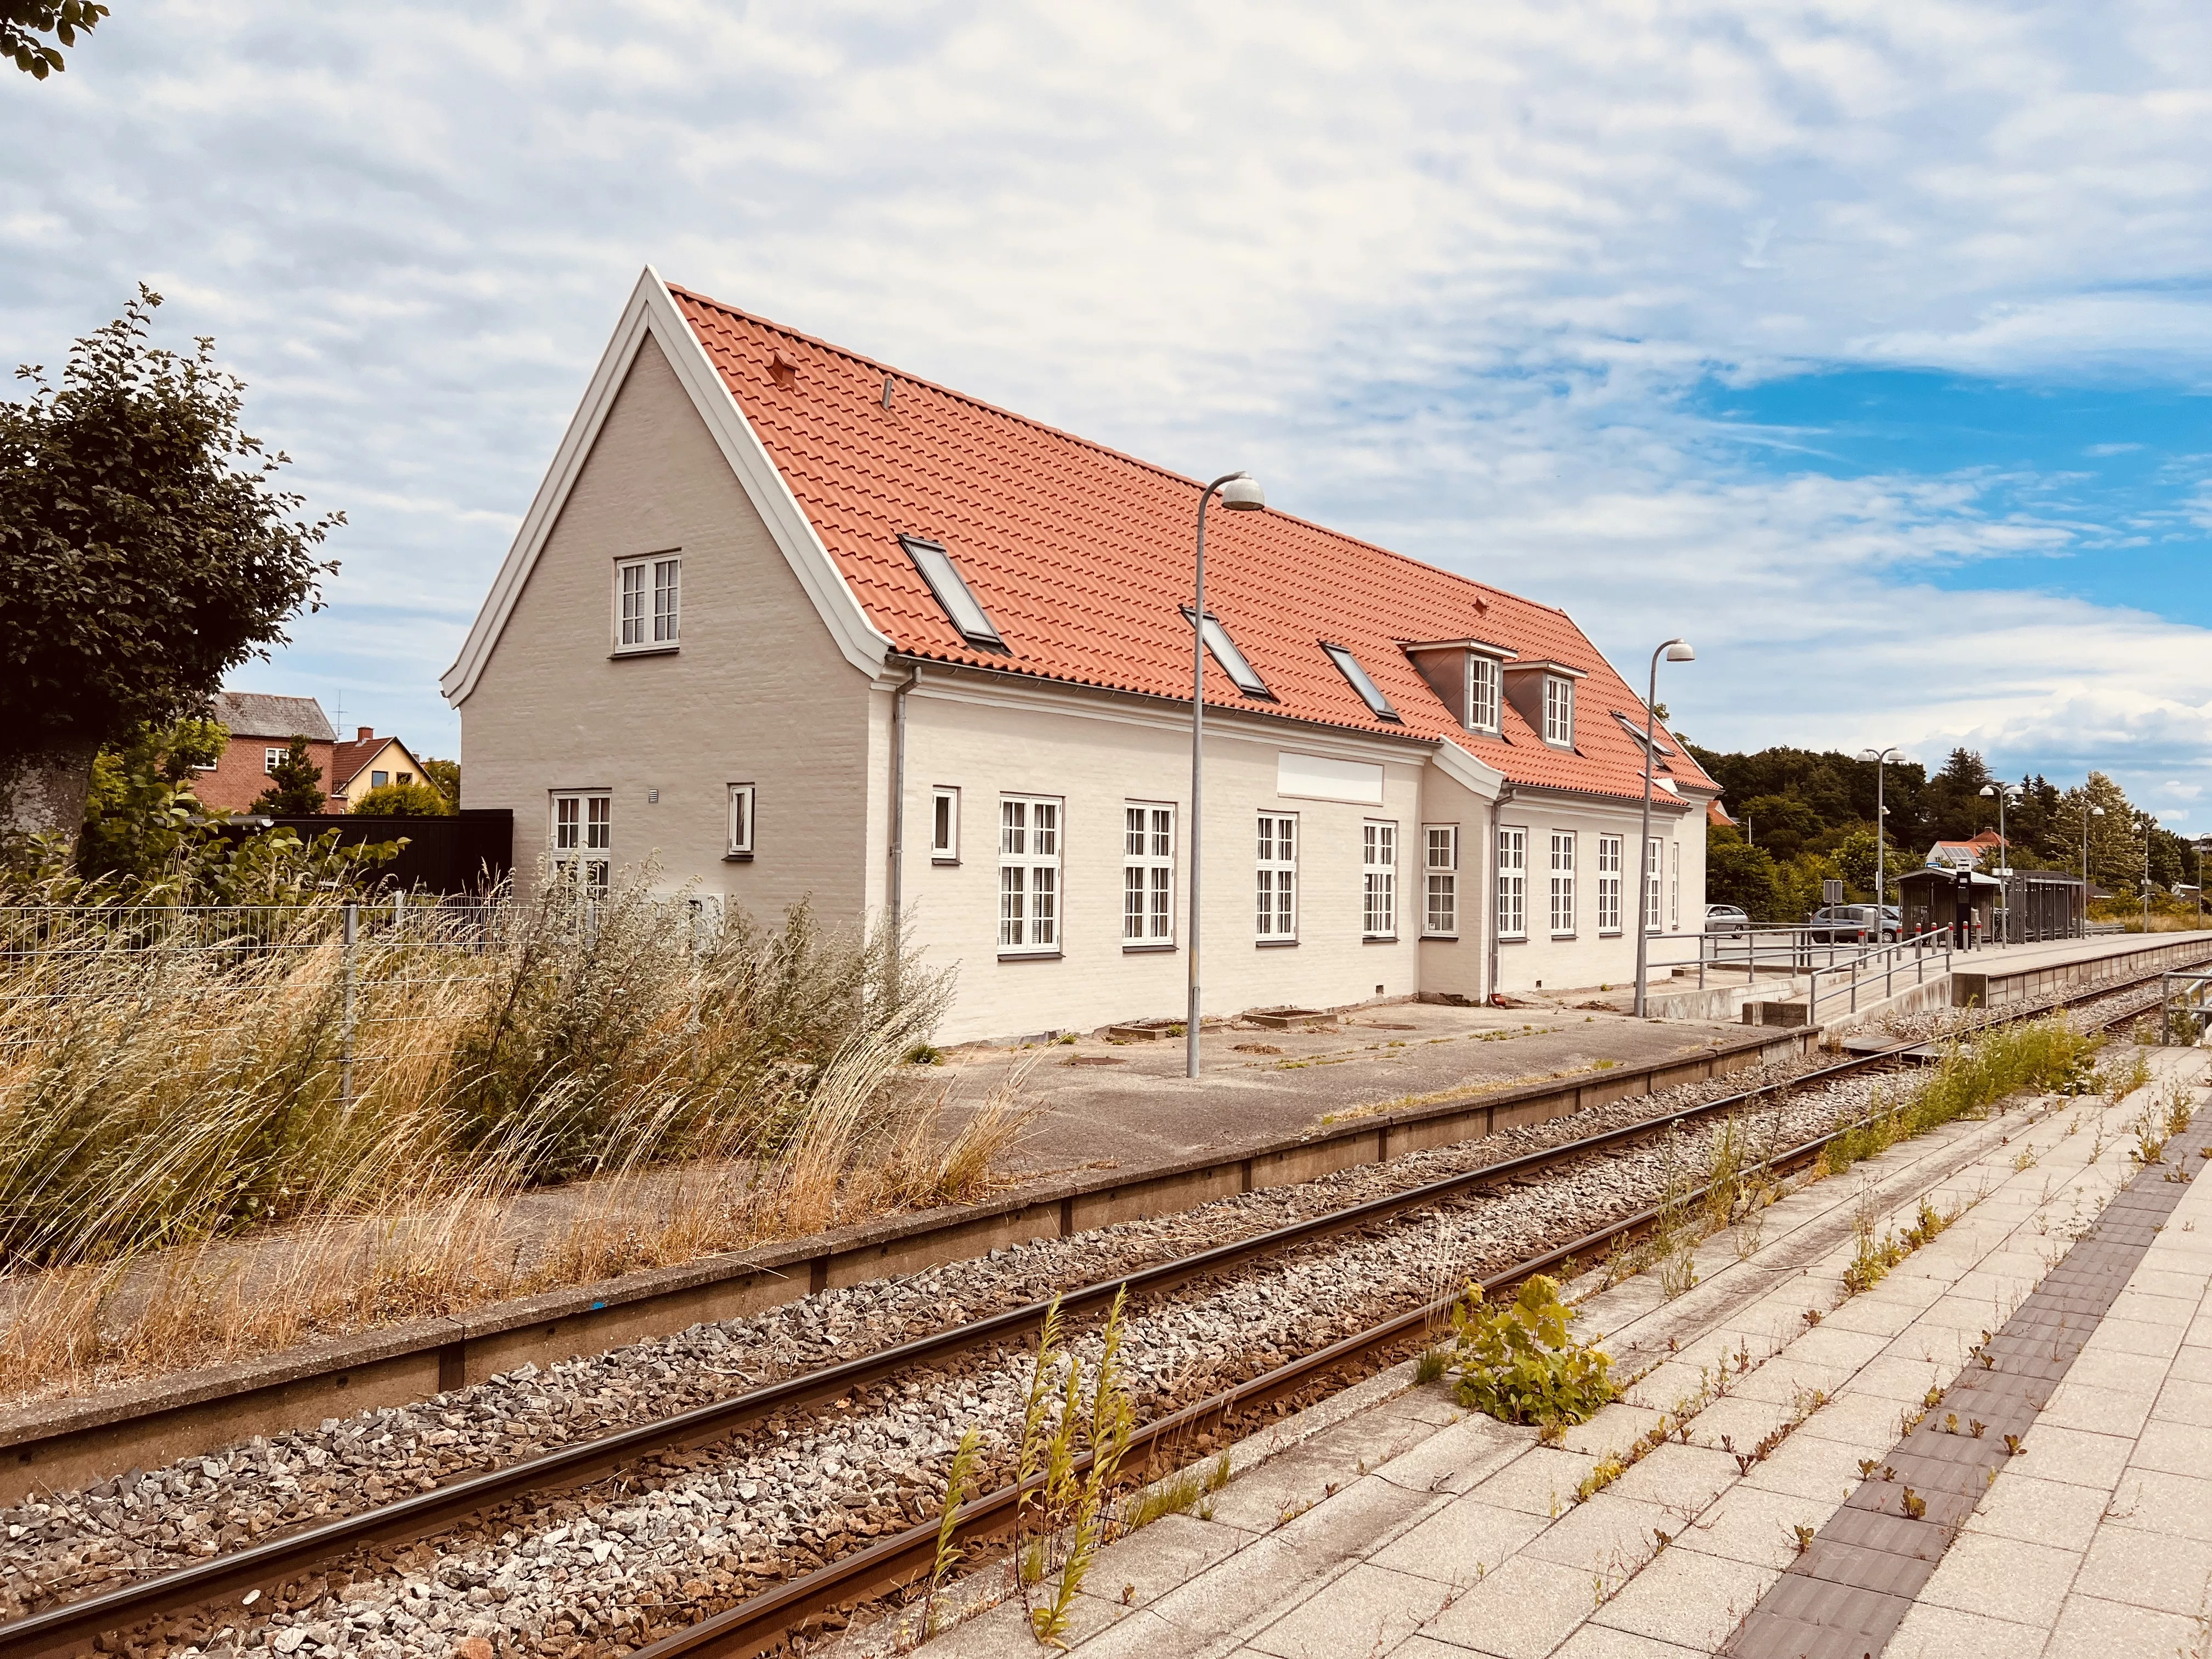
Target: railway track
(762,1621)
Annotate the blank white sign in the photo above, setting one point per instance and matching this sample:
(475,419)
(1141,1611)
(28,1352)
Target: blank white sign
(1317,777)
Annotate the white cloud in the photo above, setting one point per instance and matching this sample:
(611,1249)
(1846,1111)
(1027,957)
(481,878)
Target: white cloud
(1440,271)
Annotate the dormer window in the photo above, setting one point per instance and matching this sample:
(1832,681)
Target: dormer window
(952,591)
(1559,711)
(1370,693)
(1232,661)
(1482,693)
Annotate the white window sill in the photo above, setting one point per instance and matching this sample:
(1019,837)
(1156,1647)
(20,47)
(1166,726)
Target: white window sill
(942,860)
(736,858)
(644,651)
(1562,936)
(1137,947)
(1274,943)
(1449,939)
(1378,938)
(1039,955)
(1513,938)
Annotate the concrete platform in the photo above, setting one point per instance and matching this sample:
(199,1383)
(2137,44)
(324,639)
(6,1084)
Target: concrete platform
(1388,1522)
(1104,1103)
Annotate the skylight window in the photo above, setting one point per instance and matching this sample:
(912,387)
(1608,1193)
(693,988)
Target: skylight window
(944,581)
(1370,693)
(1636,732)
(1247,677)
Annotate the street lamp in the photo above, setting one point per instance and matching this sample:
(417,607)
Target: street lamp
(1674,651)
(2093,813)
(2004,792)
(1881,759)
(2146,822)
(1240,493)
(2203,846)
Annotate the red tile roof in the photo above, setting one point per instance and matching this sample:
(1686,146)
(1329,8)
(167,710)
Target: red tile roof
(1081,556)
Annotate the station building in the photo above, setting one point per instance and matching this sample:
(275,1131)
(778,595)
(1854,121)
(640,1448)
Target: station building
(782,621)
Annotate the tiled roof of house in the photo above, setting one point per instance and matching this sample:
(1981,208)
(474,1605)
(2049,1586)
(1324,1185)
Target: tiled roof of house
(250,715)
(1081,556)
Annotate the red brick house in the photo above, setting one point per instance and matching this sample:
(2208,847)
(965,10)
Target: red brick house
(261,732)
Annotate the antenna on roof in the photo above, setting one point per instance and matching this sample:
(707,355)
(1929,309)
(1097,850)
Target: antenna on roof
(888,384)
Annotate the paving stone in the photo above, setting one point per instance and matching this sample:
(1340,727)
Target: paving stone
(1604,1642)
(1456,1458)
(2077,1455)
(1460,1542)
(2171,1576)
(2149,1500)
(1807,1467)
(1932,1633)
(1683,1478)
(1607,1536)
(1756,1527)
(2040,1512)
(2091,1629)
(1366,1611)
(1690,1599)
(1542,1481)
(2002,1577)
(1522,1611)
(1172,1551)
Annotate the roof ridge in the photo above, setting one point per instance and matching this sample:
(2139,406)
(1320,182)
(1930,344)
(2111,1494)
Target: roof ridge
(1032,422)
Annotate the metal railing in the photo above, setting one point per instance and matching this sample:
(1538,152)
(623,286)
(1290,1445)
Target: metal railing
(1749,952)
(1923,953)
(2184,1008)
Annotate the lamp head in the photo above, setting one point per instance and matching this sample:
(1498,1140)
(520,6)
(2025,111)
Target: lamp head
(1989,789)
(1242,494)
(2096,811)
(1680,651)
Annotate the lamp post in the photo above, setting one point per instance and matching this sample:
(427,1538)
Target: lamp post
(2203,844)
(2092,812)
(1881,759)
(1674,651)
(1240,493)
(2004,792)
(2146,822)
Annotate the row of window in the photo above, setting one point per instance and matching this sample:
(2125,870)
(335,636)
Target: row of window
(1662,891)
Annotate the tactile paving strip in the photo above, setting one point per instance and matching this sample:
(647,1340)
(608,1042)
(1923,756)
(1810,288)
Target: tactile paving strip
(1845,1597)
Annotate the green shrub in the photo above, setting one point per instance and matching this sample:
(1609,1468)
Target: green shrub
(2041,1057)
(1519,1361)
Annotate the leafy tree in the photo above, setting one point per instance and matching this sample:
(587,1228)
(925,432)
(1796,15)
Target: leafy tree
(446,776)
(144,552)
(294,788)
(405,801)
(22,22)
(141,814)
(1854,860)
(1783,825)
(1741,875)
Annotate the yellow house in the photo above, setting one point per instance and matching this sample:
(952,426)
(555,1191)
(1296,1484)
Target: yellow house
(370,762)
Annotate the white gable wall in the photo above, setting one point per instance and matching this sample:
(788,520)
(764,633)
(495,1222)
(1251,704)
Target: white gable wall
(757,693)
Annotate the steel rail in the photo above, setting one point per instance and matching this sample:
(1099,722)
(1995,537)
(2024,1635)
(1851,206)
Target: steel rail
(274,1560)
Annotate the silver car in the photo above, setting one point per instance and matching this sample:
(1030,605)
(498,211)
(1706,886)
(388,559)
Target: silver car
(1727,919)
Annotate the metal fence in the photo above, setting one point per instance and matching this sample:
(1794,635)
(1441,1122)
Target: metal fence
(2184,1007)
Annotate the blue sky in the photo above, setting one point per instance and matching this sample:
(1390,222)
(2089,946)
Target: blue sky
(1868,344)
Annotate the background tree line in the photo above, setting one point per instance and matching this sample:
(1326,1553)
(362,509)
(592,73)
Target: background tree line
(1806,816)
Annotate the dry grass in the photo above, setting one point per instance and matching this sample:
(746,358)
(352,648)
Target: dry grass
(540,1094)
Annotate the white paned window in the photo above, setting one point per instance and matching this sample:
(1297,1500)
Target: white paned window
(1147,873)
(1277,914)
(945,825)
(1440,880)
(1028,873)
(583,838)
(741,820)
(1651,893)
(1563,882)
(1512,882)
(1608,883)
(1378,865)
(1559,710)
(1481,694)
(647,603)
(271,758)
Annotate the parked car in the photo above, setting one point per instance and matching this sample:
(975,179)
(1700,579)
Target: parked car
(1727,919)
(1853,924)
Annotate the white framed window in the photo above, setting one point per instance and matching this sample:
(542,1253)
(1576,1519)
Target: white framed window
(1440,880)
(1559,710)
(378,779)
(1608,883)
(1675,885)
(271,758)
(1482,676)
(1563,883)
(945,825)
(583,838)
(649,603)
(741,821)
(1028,873)
(1147,873)
(1276,877)
(1652,896)
(1512,882)
(1378,866)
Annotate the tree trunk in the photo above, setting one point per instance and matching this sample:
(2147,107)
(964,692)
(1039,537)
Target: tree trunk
(43,791)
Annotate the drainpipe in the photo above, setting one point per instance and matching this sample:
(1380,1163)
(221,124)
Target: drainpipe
(1496,809)
(895,884)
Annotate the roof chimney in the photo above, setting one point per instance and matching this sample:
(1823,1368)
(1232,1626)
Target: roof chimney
(363,734)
